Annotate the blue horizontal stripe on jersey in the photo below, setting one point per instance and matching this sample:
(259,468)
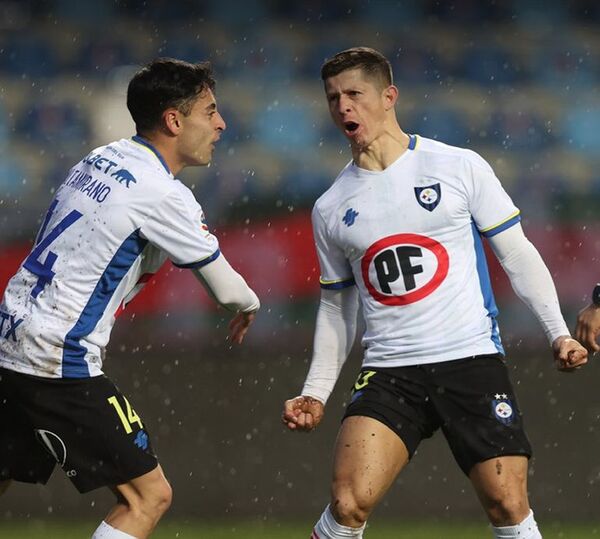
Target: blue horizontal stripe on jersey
(74,365)
(507,224)
(485,283)
(144,142)
(200,263)
(338,285)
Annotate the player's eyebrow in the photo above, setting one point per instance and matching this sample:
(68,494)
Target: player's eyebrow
(347,90)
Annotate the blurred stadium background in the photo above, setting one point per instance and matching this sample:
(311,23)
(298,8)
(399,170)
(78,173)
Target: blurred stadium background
(516,80)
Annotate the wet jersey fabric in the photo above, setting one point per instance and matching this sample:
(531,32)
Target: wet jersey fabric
(409,237)
(115,219)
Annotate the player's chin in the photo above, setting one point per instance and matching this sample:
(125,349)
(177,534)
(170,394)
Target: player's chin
(358,142)
(203,158)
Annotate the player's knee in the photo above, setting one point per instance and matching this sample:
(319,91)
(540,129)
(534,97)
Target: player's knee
(152,503)
(349,508)
(162,498)
(506,510)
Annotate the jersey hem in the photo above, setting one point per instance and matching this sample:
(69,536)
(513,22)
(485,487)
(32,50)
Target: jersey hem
(411,362)
(26,369)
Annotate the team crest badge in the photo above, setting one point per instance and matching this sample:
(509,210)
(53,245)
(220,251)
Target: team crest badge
(503,408)
(429,196)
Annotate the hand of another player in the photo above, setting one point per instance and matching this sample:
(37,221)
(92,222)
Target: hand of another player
(238,327)
(302,413)
(588,327)
(568,354)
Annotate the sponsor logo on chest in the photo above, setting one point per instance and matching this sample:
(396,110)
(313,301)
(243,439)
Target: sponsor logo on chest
(404,268)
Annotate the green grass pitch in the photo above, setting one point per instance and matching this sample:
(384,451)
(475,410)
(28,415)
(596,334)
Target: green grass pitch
(278,530)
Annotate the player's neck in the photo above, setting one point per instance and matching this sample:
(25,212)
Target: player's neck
(165,147)
(383,151)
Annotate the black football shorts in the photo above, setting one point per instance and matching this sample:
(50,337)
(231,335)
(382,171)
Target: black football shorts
(471,399)
(84,424)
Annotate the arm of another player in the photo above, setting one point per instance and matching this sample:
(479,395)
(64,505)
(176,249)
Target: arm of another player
(533,283)
(334,336)
(588,323)
(229,289)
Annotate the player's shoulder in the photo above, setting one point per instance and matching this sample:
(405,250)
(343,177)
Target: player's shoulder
(131,163)
(331,197)
(436,151)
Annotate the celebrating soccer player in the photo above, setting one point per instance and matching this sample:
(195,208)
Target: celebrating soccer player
(400,229)
(115,219)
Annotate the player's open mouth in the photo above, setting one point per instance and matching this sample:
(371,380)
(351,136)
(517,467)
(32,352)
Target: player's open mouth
(351,127)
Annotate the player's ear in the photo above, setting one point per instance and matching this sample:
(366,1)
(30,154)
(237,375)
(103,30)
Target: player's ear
(390,96)
(172,120)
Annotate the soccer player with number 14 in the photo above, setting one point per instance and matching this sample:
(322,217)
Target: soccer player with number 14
(115,219)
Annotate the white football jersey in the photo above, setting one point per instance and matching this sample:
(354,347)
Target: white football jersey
(113,222)
(410,238)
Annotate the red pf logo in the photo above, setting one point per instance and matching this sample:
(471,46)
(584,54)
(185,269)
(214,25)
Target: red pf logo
(404,268)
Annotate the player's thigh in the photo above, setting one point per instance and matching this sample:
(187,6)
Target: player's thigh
(22,458)
(113,444)
(396,398)
(368,457)
(478,410)
(91,429)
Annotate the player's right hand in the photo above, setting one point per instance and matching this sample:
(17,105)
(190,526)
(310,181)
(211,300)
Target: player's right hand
(302,413)
(569,355)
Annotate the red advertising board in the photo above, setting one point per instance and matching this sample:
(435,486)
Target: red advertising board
(278,259)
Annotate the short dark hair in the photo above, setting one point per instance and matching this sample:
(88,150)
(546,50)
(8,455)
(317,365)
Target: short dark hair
(166,83)
(371,62)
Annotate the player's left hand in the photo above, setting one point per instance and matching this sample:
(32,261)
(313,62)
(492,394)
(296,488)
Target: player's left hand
(238,327)
(569,355)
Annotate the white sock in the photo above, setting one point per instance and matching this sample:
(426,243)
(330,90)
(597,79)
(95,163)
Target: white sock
(106,531)
(328,528)
(525,530)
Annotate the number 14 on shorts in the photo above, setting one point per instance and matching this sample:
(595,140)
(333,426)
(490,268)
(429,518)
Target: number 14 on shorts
(127,419)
